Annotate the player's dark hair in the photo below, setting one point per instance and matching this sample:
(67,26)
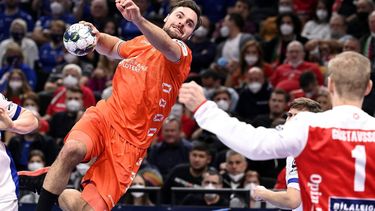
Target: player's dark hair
(190,4)
(306,104)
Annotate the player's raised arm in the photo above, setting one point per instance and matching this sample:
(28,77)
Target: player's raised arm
(107,44)
(179,24)
(255,143)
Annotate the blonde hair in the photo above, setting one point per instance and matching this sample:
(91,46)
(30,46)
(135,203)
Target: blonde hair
(350,73)
(19,22)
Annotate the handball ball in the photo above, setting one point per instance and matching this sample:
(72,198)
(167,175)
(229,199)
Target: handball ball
(79,40)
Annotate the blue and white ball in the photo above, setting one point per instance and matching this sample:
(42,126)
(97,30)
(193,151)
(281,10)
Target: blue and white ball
(79,39)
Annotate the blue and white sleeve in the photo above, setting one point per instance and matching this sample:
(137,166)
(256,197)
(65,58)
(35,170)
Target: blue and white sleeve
(291,173)
(13,109)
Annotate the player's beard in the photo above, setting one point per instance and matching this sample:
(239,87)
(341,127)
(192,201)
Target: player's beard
(172,34)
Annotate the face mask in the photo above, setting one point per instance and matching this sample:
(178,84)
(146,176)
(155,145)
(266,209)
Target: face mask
(70,58)
(250,186)
(137,194)
(254,87)
(13,60)
(31,108)
(223,104)
(362,15)
(17,36)
(224,31)
(251,59)
(210,195)
(335,34)
(236,177)
(57,8)
(56,38)
(285,9)
(14,85)
(82,168)
(321,14)
(177,110)
(73,106)
(309,94)
(201,32)
(70,81)
(34,166)
(286,29)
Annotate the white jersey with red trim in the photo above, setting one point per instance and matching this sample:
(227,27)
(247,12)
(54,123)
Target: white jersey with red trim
(332,148)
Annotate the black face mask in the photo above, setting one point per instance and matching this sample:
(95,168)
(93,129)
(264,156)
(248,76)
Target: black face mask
(56,38)
(362,15)
(17,36)
(13,60)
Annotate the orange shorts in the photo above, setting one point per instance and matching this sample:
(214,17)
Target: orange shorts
(117,159)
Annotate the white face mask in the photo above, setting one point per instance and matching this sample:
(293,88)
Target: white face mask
(14,85)
(236,177)
(224,31)
(73,106)
(309,94)
(285,9)
(286,29)
(34,166)
(250,186)
(82,168)
(201,32)
(254,87)
(31,108)
(223,104)
(57,8)
(177,110)
(70,81)
(137,194)
(321,14)
(251,59)
(210,195)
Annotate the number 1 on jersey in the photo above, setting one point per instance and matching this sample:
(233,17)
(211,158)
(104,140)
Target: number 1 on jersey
(359,154)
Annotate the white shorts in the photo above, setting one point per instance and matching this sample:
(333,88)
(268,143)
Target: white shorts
(9,205)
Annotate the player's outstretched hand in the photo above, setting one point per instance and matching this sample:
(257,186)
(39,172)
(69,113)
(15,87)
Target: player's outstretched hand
(5,121)
(191,94)
(94,31)
(129,10)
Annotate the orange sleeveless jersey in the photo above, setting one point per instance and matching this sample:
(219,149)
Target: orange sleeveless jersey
(145,87)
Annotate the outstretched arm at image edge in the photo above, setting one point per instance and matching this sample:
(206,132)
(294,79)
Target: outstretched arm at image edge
(254,143)
(25,123)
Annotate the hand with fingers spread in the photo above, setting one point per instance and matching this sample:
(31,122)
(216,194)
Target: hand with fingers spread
(129,10)
(5,121)
(191,94)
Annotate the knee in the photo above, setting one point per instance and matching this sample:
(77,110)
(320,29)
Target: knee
(73,151)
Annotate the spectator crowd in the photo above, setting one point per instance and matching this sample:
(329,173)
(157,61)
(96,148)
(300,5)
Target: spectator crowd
(252,57)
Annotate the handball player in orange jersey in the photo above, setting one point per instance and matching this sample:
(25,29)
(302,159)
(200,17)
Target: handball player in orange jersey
(118,131)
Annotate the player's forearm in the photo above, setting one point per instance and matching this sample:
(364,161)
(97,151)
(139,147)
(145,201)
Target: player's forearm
(254,143)
(159,39)
(282,199)
(25,123)
(107,45)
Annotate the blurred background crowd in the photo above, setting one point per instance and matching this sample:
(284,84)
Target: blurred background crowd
(251,56)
